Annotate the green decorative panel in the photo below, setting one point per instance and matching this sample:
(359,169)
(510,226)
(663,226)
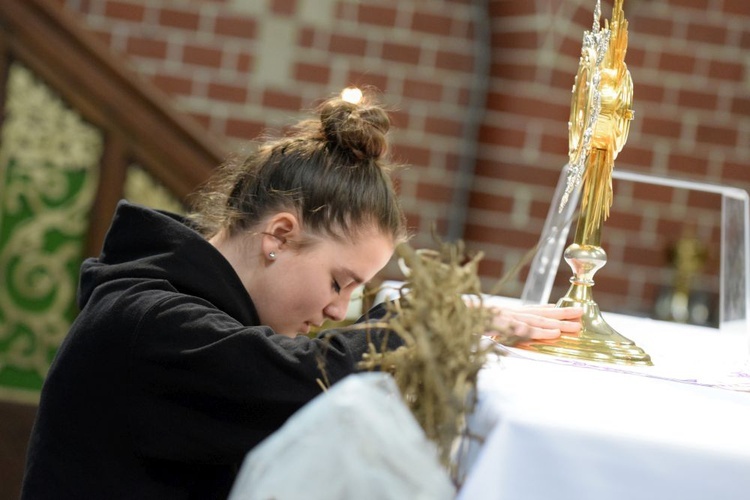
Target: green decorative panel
(142,188)
(49,161)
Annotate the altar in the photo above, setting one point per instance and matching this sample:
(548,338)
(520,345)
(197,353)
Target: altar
(629,408)
(553,429)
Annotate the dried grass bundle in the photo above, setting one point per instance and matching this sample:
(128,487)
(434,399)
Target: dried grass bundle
(436,369)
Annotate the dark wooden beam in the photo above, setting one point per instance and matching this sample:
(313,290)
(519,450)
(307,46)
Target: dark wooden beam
(51,42)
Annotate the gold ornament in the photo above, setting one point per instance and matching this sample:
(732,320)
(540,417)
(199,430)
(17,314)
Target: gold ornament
(601,111)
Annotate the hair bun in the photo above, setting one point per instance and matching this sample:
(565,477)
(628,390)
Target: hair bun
(359,128)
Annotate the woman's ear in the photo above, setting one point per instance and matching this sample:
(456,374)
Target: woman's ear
(280,230)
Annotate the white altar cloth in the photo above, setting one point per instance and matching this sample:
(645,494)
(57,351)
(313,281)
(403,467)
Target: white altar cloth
(557,429)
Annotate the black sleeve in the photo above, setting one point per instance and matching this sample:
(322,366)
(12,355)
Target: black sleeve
(205,388)
(360,335)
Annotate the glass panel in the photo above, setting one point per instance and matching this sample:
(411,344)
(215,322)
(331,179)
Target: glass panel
(546,261)
(734,293)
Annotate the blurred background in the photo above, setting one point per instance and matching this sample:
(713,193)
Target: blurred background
(104,99)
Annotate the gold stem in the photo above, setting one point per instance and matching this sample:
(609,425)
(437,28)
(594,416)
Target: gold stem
(597,198)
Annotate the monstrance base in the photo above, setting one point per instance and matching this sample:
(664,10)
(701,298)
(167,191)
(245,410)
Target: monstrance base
(597,341)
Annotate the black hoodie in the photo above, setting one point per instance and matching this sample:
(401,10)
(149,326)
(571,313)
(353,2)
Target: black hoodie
(166,378)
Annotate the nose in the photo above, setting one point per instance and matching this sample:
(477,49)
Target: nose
(336,309)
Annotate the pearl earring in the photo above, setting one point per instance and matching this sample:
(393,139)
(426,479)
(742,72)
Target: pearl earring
(272,255)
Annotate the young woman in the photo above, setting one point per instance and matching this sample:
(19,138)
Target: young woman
(187,351)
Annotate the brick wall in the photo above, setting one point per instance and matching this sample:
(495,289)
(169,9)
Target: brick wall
(481,93)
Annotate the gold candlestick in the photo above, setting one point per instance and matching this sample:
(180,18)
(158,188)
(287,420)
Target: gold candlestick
(600,115)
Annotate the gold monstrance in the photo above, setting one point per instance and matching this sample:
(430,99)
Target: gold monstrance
(600,114)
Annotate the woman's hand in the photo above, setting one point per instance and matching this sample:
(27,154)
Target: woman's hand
(537,322)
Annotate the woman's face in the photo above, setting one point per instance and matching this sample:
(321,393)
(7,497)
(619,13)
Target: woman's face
(298,288)
(308,286)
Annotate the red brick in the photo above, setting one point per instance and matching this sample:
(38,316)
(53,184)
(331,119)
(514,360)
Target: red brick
(203,56)
(430,191)
(398,52)
(400,118)
(701,199)
(179,19)
(502,136)
(454,61)
(608,283)
(716,134)
(669,227)
(413,219)
(539,209)
(734,171)
(125,10)
(734,71)
(365,79)
(306,37)
(516,40)
(662,127)
(691,4)
(464,96)
(624,221)
(146,47)
(529,174)
(244,62)
(529,106)
(284,7)
(642,256)
(490,201)
(245,129)
(634,155)
(563,80)
(281,100)
(313,73)
(464,29)
(202,119)
(651,192)
(512,9)
(516,71)
(489,266)
(342,44)
(705,33)
(570,46)
(635,57)
(659,26)
(506,236)
(452,162)
(377,15)
(241,27)
(741,105)
(227,93)
(443,126)
(488,168)
(738,7)
(679,63)
(697,99)
(555,144)
(435,24)
(173,84)
(647,92)
(424,90)
(412,154)
(691,164)
(745,40)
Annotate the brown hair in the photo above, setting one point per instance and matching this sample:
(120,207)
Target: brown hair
(332,172)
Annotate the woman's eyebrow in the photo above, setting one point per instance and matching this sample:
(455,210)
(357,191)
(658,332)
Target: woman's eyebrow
(353,276)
